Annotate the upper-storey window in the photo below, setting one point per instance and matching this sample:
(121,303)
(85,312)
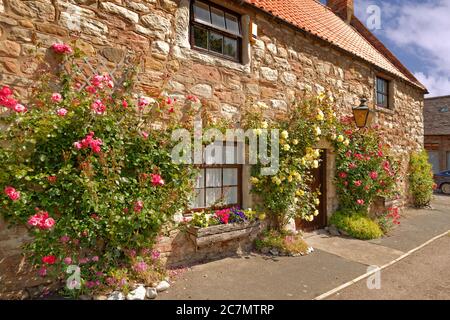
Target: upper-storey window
(382,92)
(216,30)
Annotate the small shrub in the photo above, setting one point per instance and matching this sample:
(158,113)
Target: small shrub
(420,179)
(356,224)
(284,242)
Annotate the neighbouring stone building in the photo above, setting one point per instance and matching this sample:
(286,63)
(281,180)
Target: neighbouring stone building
(230,53)
(437,132)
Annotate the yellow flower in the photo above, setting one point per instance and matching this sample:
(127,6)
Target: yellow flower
(321,96)
(276,180)
(257,131)
(300,193)
(254,180)
(295,142)
(262,216)
(296,200)
(315,164)
(340,138)
(317,153)
(290,178)
(320,115)
(284,134)
(316,202)
(333,136)
(264,125)
(286,147)
(317,131)
(346,142)
(303,161)
(316,213)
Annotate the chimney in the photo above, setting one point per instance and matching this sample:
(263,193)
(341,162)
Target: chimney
(343,8)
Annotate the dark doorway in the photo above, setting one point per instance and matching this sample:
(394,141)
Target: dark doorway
(319,181)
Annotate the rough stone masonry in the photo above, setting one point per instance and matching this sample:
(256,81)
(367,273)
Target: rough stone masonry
(282,63)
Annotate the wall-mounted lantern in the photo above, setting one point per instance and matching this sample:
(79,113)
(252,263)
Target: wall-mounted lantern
(362,114)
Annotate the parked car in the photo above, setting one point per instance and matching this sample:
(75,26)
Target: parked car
(442,180)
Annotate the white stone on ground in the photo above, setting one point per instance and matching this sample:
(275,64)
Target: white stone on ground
(162,286)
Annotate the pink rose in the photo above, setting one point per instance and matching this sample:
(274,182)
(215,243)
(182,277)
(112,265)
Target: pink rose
(61,48)
(144,135)
(56,97)
(360,202)
(19,108)
(342,175)
(358,183)
(138,206)
(98,107)
(61,112)
(48,223)
(157,180)
(42,272)
(94,259)
(64,239)
(67,260)
(12,193)
(374,175)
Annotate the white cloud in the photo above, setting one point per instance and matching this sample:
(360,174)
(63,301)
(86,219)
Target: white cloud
(421,28)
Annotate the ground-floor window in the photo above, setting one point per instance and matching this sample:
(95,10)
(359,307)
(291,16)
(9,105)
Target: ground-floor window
(434,160)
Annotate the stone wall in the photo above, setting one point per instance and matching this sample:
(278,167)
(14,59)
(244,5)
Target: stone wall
(282,64)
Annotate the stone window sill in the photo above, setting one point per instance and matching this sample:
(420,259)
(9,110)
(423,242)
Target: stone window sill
(384,110)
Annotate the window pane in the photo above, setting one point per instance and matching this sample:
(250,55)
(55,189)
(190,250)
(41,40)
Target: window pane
(434,160)
(199,199)
(218,18)
(230,177)
(215,42)
(380,99)
(230,195)
(230,47)
(213,177)
(200,38)
(213,196)
(232,23)
(201,12)
(200,179)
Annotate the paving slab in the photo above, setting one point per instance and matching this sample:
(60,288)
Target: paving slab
(264,278)
(360,251)
(422,275)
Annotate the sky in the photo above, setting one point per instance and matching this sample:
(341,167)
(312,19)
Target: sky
(417,32)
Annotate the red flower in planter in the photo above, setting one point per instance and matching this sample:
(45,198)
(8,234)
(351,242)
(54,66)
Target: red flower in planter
(223,215)
(49,259)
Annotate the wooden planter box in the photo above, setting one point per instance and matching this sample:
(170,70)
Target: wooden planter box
(206,236)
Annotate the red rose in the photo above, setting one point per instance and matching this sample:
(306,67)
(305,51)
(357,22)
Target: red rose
(49,259)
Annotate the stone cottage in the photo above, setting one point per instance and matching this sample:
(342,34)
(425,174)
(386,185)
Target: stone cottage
(230,53)
(437,132)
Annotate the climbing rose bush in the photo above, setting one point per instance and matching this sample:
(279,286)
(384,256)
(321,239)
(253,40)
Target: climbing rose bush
(84,167)
(364,169)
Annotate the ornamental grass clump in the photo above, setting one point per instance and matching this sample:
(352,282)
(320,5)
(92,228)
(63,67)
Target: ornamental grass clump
(85,168)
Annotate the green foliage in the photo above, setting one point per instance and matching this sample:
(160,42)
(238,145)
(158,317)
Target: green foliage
(421,181)
(364,169)
(283,241)
(288,194)
(356,224)
(105,201)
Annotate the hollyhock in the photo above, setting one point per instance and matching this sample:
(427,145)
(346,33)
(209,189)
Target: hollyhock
(157,180)
(52,179)
(56,97)
(12,193)
(360,202)
(98,107)
(138,206)
(374,175)
(61,112)
(61,48)
(49,259)
(20,108)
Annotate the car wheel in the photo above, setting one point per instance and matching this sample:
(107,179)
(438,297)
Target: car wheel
(446,188)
